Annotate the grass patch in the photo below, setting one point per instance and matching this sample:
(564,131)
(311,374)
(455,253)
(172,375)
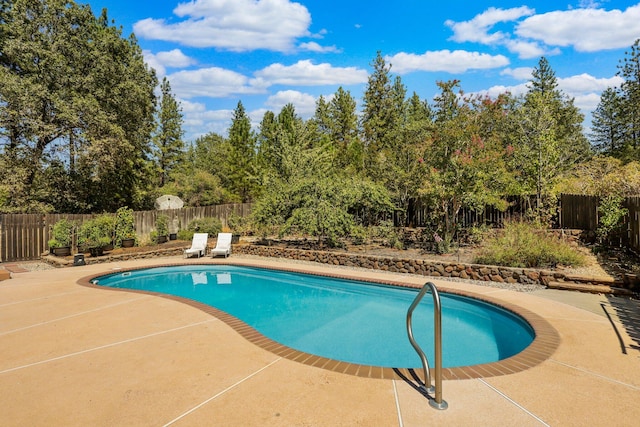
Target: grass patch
(525,245)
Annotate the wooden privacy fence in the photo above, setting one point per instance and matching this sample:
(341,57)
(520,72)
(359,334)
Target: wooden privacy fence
(633,223)
(581,213)
(419,215)
(578,212)
(25,236)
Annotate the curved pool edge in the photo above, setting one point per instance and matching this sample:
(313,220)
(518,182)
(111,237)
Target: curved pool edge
(545,343)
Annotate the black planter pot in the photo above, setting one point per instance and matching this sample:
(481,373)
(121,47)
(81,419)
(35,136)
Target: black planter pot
(98,251)
(173,236)
(162,239)
(62,251)
(128,243)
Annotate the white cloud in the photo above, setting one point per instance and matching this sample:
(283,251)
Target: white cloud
(161,60)
(456,61)
(199,121)
(587,30)
(175,58)
(520,73)
(573,86)
(528,49)
(212,82)
(305,73)
(494,91)
(315,47)
(585,83)
(477,29)
(583,88)
(587,102)
(236,25)
(304,103)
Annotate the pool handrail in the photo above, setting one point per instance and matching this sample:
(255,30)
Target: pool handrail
(437,402)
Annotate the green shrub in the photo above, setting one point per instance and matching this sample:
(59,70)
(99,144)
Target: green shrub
(210,225)
(124,226)
(61,234)
(389,234)
(476,234)
(185,234)
(162,225)
(359,234)
(611,212)
(525,245)
(96,232)
(240,224)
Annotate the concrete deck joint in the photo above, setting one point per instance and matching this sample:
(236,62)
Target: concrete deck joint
(102,347)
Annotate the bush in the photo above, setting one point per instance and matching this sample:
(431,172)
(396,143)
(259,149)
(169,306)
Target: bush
(61,234)
(124,226)
(389,234)
(162,225)
(611,212)
(185,234)
(210,225)
(240,224)
(358,234)
(522,244)
(96,232)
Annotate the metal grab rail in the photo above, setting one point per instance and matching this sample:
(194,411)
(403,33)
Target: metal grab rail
(437,402)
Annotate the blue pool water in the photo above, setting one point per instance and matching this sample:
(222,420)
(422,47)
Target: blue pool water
(345,320)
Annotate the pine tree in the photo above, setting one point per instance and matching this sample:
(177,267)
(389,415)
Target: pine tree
(378,114)
(345,130)
(168,137)
(550,138)
(629,70)
(607,131)
(242,155)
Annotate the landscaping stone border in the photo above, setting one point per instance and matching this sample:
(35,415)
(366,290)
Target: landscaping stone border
(407,265)
(488,273)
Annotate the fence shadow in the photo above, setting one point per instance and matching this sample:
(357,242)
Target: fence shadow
(627,312)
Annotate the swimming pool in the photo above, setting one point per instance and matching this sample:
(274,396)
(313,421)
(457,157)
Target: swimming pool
(345,320)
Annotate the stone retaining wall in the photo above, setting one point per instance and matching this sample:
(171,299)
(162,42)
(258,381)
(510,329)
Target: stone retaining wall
(405,265)
(68,261)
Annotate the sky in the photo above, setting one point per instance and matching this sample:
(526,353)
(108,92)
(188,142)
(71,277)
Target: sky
(267,53)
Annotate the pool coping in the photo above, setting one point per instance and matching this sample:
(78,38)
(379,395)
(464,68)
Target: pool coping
(545,343)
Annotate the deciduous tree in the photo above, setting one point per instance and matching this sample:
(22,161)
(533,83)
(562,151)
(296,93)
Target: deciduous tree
(73,90)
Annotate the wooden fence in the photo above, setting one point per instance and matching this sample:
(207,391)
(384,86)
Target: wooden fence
(419,216)
(633,223)
(581,213)
(578,212)
(25,236)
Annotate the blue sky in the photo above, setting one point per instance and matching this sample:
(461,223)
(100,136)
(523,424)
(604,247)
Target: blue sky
(268,53)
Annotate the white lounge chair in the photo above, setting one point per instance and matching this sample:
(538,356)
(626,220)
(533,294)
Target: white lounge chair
(223,245)
(198,245)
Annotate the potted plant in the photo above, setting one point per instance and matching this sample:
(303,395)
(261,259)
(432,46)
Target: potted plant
(61,237)
(125,233)
(96,234)
(162,228)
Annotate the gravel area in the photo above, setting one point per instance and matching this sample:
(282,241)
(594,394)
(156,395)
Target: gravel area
(35,266)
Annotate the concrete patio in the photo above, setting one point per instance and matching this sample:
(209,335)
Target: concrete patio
(77,356)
